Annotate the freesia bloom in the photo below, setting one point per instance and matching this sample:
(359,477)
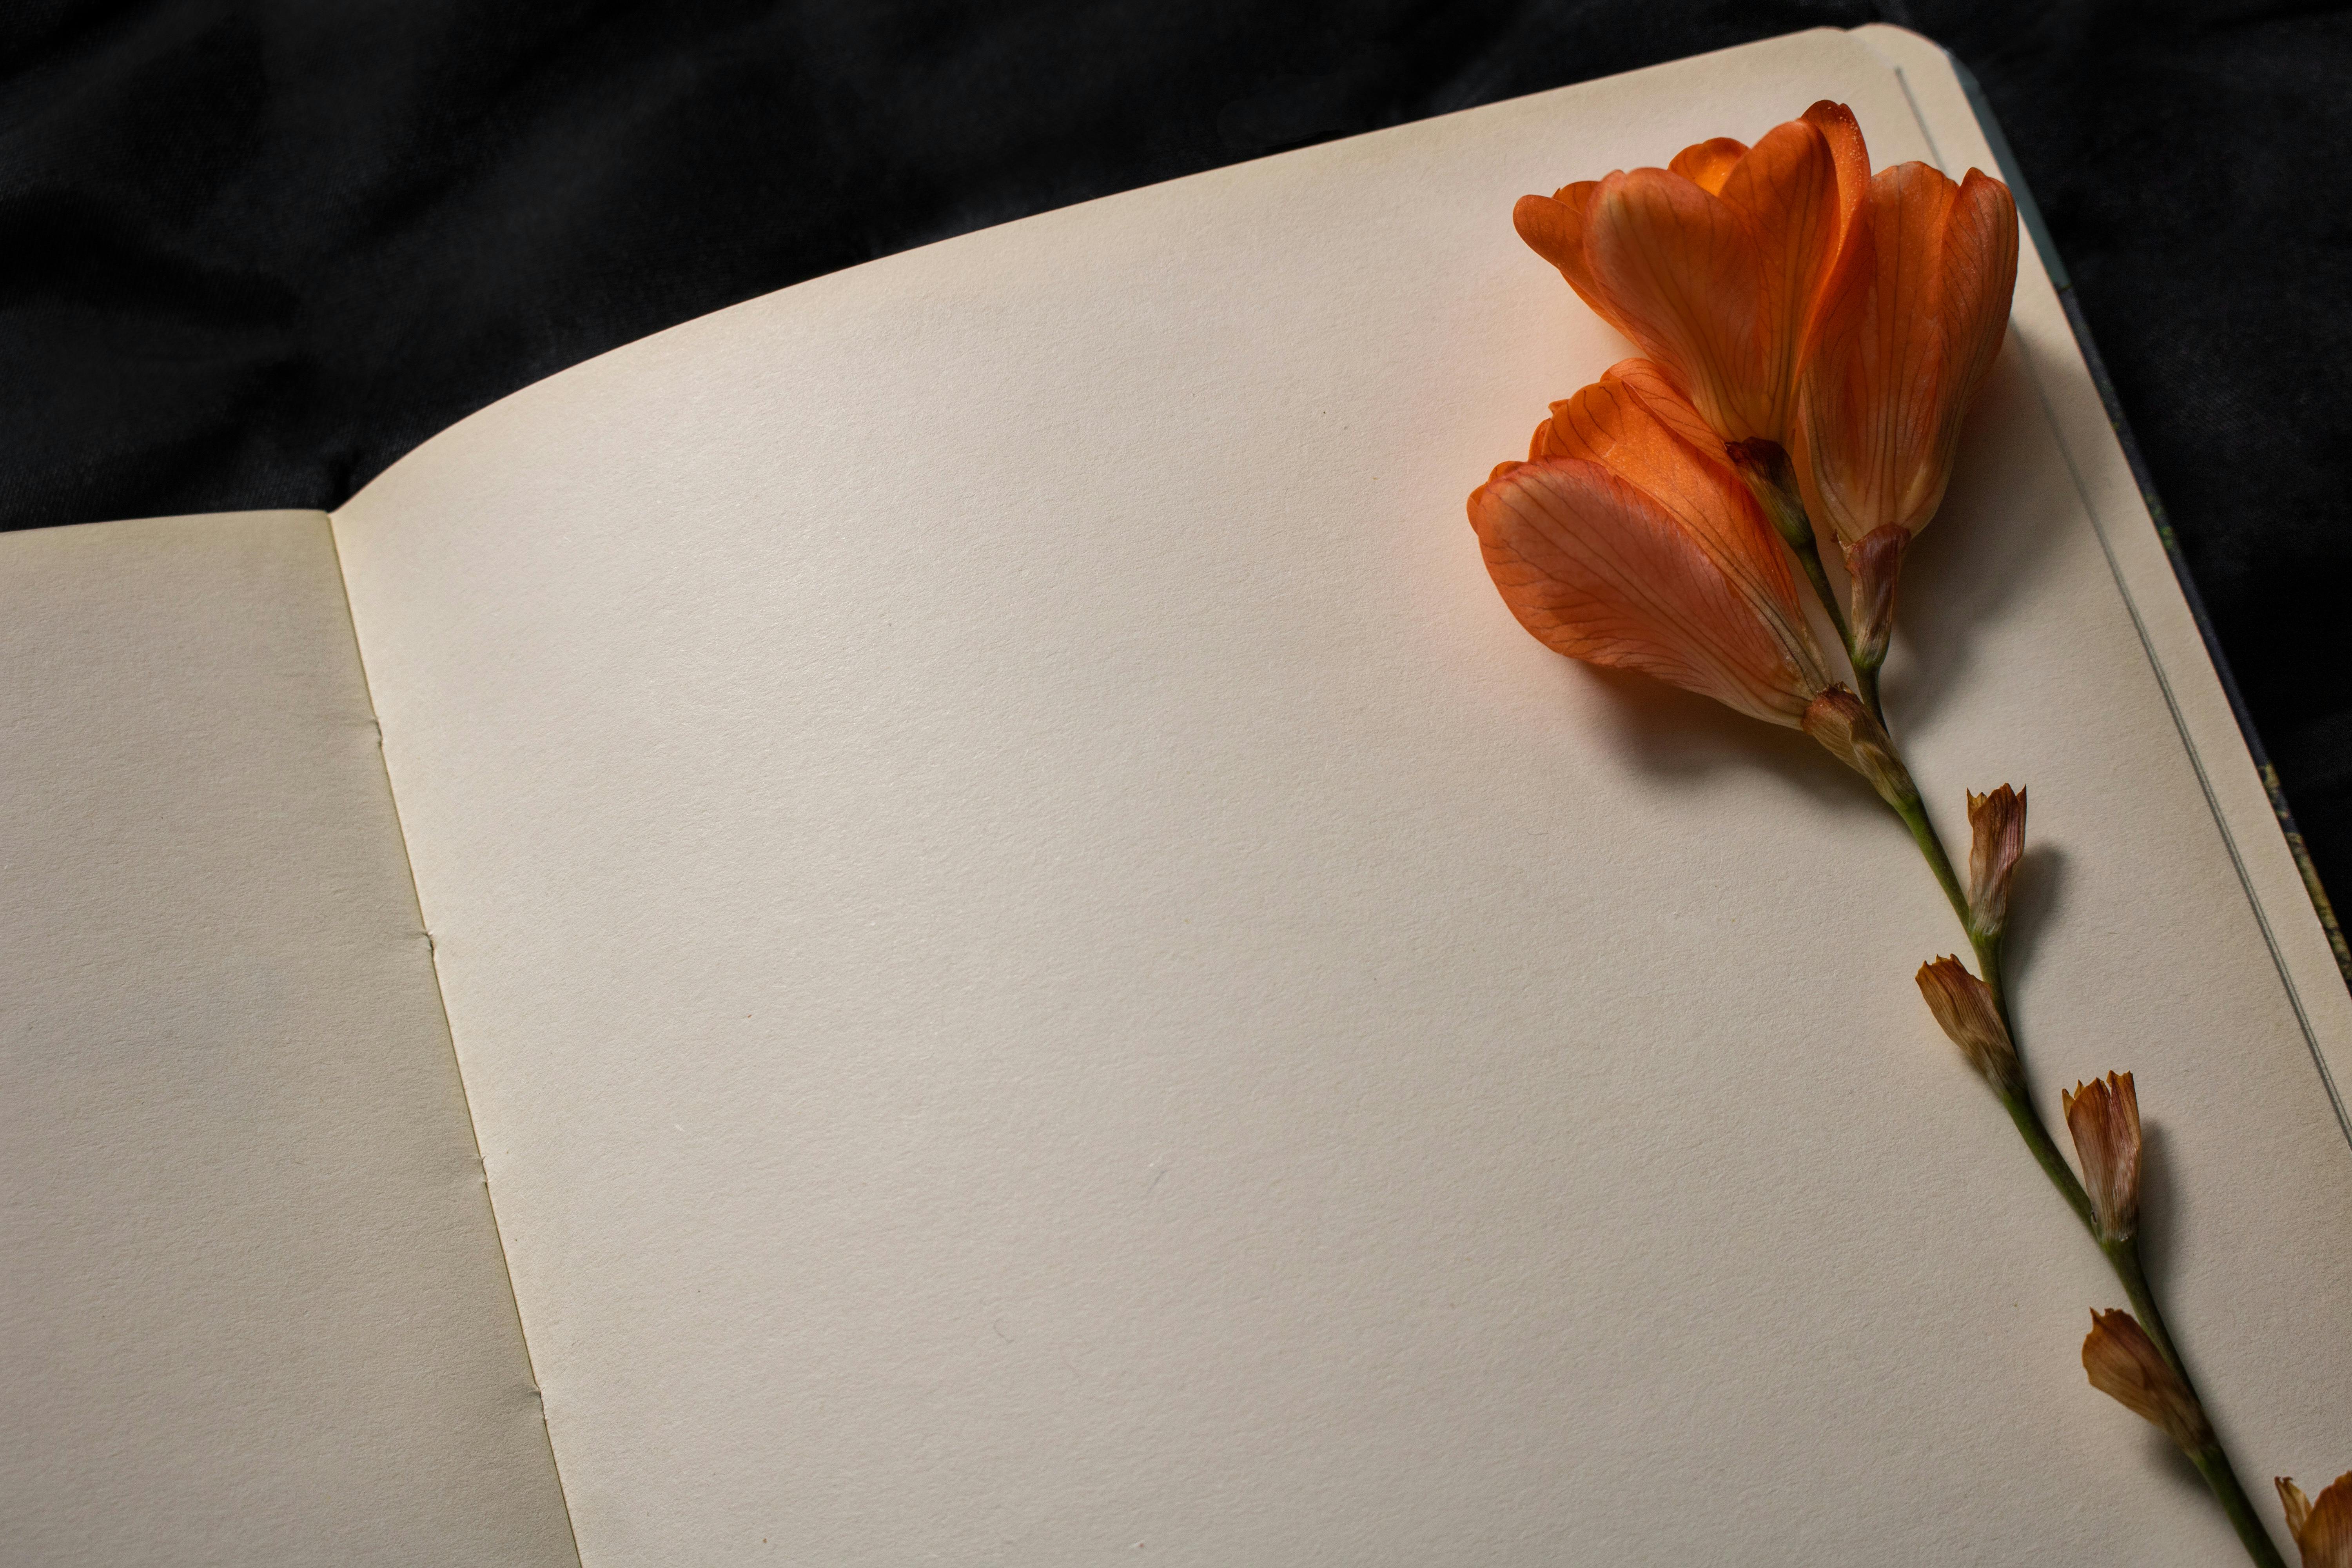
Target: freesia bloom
(1997,835)
(2322,1529)
(1623,543)
(1906,331)
(1964,1009)
(2123,1364)
(2104,1117)
(1713,264)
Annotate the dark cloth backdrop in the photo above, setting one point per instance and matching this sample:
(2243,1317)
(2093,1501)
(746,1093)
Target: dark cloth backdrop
(251,253)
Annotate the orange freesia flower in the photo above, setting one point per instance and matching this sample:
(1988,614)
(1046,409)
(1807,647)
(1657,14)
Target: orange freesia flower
(1712,265)
(2322,1529)
(1908,327)
(1623,541)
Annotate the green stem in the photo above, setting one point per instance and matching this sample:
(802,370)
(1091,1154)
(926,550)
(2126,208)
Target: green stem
(2044,1150)
(1809,556)
(1865,679)
(1772,479)
(2223,1481)
(2212,1461)
(1914,814)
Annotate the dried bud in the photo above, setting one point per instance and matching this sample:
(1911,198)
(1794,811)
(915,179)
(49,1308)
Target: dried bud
(1963,1006)
(1846,731)
(1997,822)
(2322,1531)
(1874,563)
(2124,1365)
(2104,1116)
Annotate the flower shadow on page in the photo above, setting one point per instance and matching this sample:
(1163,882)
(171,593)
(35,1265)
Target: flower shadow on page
(1998,530)
(2040,891)
(2160,1217)
(1677,738)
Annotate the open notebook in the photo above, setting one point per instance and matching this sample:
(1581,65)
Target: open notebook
(1041,974)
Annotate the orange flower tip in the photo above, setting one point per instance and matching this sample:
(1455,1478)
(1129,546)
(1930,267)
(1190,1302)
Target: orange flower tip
(1997,835)
(2321,1529)
(2123,1363)
(1838,128)
(2297,1506)
(1707,164)
(1963,1008)
(2104,1117)
(1553,228)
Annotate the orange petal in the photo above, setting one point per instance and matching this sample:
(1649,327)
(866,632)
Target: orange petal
(1838,127)
(1907,330)
(1596,570)
(1668,403)
(1708,163)
(1718,287)
(1978,278)
(1787,188)
(1635,423)
(1554,228)
(1680,266)
(1875,375)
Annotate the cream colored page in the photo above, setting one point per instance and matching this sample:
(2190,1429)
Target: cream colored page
(255,1308)
(1046,977)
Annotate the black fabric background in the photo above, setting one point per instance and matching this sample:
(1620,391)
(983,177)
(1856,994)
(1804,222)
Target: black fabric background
(250,253)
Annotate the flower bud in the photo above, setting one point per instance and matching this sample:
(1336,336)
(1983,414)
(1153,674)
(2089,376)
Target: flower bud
(1846,731)
(2104,1116)
(1963,1006)
(1997,826)
(1874,563)
(2321,1531)
(2124,1365)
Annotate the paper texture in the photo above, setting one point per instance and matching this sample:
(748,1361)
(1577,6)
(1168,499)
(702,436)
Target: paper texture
(1047,978)
(256,1311)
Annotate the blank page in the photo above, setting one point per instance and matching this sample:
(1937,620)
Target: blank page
(255,1308)
(1047,978)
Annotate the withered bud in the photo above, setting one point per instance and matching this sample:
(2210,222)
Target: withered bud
(1846,731)
(1996,830)
(1875,562)
(1963,1007)
(2124,1365)
(2321,1531)
(2104,1116)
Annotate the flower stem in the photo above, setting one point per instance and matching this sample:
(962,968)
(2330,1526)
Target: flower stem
(1809,556)
(1772,479)
(2212,1461)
